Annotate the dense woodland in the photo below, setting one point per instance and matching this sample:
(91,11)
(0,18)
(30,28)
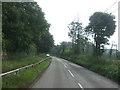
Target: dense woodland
(25,29)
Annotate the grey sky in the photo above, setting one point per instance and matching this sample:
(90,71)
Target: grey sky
(59,13)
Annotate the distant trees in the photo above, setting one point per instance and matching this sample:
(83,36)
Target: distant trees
(62,50)
(76,33)
(24,28)
(79,43)
(101,26)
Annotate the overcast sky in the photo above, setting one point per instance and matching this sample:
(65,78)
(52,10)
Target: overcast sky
(59,13)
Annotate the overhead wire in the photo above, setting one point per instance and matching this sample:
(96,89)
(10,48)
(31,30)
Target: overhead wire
(111,6)
(115,10)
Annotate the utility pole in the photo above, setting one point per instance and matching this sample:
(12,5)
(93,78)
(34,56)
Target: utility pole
(119,26)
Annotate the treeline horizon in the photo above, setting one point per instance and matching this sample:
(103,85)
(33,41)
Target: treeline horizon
(101,27)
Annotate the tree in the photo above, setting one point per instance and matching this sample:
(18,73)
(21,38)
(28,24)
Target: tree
(111,50)
(23,26)
(101,26)
(76,33)
(118,55)
(45,43)
(62,50)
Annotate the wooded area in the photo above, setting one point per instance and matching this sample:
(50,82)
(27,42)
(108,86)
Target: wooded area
(101,27)
(24,29)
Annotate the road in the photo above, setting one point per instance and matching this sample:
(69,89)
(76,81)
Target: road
(64,74)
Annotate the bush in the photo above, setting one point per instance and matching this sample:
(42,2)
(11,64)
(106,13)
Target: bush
(118,55)
(101,65)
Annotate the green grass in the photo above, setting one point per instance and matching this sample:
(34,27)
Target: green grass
(24,78)
(104,66)
(8,65)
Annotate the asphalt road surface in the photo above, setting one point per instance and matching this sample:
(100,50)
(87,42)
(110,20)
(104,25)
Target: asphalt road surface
(64,74)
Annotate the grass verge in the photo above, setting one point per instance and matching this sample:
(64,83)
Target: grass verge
(24,78)
(8,65)
(106,67)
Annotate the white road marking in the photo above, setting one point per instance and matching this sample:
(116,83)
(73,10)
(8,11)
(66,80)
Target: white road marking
(80,86)
(70,73)
(75,65)
(65,66)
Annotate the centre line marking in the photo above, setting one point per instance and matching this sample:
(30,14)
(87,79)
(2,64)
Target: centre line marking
(70,73)
(80,86)
(65,66)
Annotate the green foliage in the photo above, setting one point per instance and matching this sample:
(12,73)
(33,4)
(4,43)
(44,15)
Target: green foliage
(62,50)
(45,43)
(118,55)
(65,50)
(19,61)
(25,78)
(77,34)
(101,26)
(23,24)
(75,30)
(101,65)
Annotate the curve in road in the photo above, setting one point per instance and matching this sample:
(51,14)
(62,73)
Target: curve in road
(64,74)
